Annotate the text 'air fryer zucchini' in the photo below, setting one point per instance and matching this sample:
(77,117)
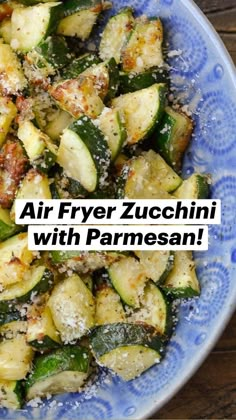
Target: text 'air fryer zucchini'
(82,124)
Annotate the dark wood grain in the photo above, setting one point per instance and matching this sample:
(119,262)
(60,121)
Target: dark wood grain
(222,14)
(211,393)
(215,5)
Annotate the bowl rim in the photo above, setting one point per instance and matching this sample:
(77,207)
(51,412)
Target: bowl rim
(228,62)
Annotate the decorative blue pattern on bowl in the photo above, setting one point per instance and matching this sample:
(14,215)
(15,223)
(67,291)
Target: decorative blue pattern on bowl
(202,77)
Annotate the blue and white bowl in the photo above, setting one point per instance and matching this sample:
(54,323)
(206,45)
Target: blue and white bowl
(203,77)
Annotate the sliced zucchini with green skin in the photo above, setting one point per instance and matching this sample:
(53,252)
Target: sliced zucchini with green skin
(195,187)
(148,176)
(11,395)
(55,192)
(41,332)
(48,116)
(59,257)
(79,65)
(144,47)
(105,77)
(109,309)
(182,282)
(37,280)
(80,17)
(111,124)
(78,97)
(131,82)
(50,55)
(8,112)
(12,80)
(58,123)
(88,281)
(68,188)
(13,329)
(6,318)
(82,158)
(15,259)
(157,264)
(35,185)
(84,262)
(169,180)
(116,34)
(142,111)
(128,278)
(31,25)
(39,148)
(127,349)
(15,354)
(63,370)
(155,310)
(5,30)
(173,137)
(32,2)
(72,307)
(7,227)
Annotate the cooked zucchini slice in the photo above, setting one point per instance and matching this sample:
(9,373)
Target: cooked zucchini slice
(83,154)
(7,227)
(12,80)
(142,111)
(11,395)
(35,185)
(84,94)
(105,77)
(5,30)
(88,281)
(195,187)
(112,126)
(109,309)
(72,307)
(41,332)
(147,176)
(155,310)
(182,282)
(12,329)
(31,25)
(173,137)
(78,97)
(48,117)
(79,65)
(59,121)
(33,2)
(50,55)
(8,112)
(7,317)
(39,148)
(15,354)
(144,47)
(127,349)
(15,259)
(80,17)
(116,34)
(129,279)
(63,370)
(37,280)
(156,264)
(84,262)
(65,187)
(131,82)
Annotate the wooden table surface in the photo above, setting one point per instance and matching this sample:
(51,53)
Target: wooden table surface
(211,393)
